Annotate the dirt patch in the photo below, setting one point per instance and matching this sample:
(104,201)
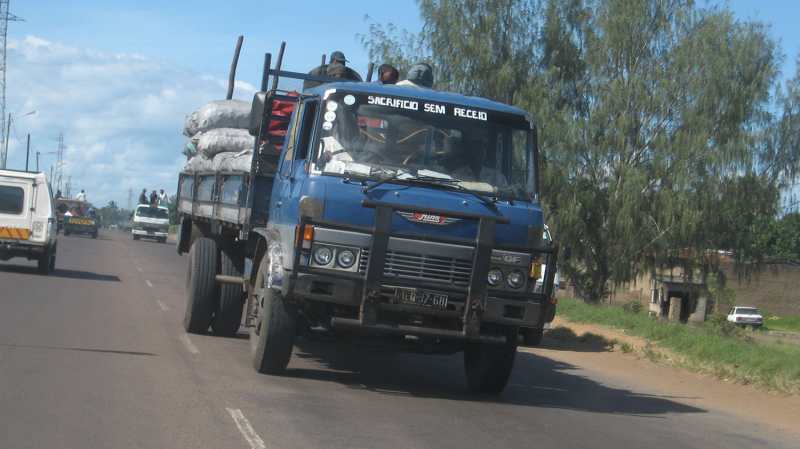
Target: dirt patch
(774,412)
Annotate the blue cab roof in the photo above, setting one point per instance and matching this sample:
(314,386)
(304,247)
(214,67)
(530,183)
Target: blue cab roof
(420,93)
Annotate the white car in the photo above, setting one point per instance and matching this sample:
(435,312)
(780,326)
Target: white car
(746,316)
(28,222)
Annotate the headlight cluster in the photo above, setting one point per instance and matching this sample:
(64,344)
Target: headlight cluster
(330,256)
(514,277)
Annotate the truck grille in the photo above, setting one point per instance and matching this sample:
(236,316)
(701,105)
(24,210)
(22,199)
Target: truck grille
(399,265)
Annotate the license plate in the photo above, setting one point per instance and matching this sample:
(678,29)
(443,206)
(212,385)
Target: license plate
(420,298)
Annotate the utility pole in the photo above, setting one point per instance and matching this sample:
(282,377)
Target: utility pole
(130,198)
(68,187)
(5,16)
(58,173)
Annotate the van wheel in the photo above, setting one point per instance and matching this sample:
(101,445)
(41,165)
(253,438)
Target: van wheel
(198,293)
(53,259)
(272,337)
(532,337)
(489,366)
(44,262)
(229,303)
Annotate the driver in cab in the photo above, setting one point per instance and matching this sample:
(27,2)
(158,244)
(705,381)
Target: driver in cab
(472,156)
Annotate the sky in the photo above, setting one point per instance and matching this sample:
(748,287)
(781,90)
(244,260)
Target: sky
(118,78)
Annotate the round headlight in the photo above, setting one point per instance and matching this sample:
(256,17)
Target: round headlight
(346,258)
(323,255)
(38,226)
(495,277)
(516,279)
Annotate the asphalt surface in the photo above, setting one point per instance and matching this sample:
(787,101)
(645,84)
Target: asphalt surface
(95,355)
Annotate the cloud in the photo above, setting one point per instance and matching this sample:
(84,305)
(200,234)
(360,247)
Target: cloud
(121,115)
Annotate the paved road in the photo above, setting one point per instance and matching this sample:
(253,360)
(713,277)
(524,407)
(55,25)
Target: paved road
(95,356)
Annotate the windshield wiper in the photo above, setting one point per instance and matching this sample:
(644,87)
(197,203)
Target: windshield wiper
(476,194)
(453,182)
(382,181)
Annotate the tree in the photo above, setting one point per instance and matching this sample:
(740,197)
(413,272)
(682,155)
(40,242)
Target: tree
(653,121)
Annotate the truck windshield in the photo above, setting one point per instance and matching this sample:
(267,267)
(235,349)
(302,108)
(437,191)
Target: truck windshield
(376,137)
(152,212)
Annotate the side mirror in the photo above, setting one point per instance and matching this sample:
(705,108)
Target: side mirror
(567,253)
(257,113)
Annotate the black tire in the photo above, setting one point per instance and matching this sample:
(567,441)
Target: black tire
(161,240)
(94,234)
(53,258)
(136,236)
(488,366)
(272,337)
(532,337)
(45,260)
(229,302)
(66,232)
(198,293)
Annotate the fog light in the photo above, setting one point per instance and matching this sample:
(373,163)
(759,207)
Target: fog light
(346,258)
(495,277)
(323,255)
(516,279)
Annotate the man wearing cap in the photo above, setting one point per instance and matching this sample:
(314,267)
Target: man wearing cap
(337,57)
(420,75)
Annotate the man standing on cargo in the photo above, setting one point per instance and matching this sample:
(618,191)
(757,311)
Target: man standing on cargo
(337,57)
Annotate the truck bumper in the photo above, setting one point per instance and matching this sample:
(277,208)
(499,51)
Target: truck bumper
(153,234)
(30,251)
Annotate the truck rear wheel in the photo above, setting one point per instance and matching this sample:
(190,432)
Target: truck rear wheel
(230,302)
(532,337)
(198,293)
(488,366)
(66,232)
(272,337)
(45,260)
(94,234)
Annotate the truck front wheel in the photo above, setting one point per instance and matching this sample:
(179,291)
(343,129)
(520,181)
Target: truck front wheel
(272,336)
(230,303)
(488,366)
(198,293)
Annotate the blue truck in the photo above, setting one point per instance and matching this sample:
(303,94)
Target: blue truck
(385,216)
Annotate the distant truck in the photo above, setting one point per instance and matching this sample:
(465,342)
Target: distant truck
(151,221)
(365,224)
(28,224)
(81,225)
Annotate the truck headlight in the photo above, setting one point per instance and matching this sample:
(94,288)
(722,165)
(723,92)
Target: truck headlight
(38,226)
(346,258)
(323,255)
(495,277)
(516,279)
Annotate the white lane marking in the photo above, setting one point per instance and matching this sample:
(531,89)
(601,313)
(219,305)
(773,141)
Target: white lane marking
(244,426)
(188,343)
(162,305)
(149,284)
(140,270)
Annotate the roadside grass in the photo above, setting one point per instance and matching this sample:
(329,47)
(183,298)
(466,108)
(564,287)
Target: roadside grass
(783,324)
(713,348)
(173,229)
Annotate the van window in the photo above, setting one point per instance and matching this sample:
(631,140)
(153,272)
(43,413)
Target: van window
(11,200)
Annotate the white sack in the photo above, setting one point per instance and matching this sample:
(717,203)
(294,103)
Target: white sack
(233,161)
(198,163)
(224,139)
(218,114)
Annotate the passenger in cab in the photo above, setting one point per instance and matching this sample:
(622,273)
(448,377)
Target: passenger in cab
(472,156)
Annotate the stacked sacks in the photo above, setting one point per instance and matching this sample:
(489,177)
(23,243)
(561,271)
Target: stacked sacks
(218,137)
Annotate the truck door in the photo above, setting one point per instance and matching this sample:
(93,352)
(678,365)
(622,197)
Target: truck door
(292,172)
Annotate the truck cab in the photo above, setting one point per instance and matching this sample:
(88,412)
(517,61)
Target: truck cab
(151,221)
(388,216)
(28,224)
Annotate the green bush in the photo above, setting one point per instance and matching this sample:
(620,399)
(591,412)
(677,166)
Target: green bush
(633,306)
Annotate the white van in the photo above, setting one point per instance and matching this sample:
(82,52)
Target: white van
(28,223)
(151,221)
